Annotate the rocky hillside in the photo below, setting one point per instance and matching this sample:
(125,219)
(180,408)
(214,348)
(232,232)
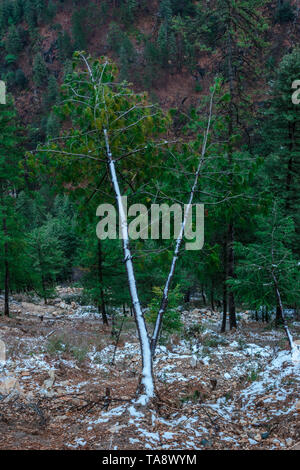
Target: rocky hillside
(38,39)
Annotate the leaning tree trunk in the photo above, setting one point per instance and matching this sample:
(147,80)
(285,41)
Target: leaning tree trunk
(165,296)
(147,382)
(295,350)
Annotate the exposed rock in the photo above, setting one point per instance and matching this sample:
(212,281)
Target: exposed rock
(9,384)
(196,311)
(48,383)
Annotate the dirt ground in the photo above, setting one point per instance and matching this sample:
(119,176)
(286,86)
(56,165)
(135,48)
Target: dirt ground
(65,385)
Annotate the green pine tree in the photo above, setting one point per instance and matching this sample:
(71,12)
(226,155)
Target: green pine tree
(40,71)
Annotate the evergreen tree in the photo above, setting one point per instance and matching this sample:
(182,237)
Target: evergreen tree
(52,126)
(269,273)
(240,40)
(127,57)
(79,29)
(20,78)
(17,11)
(10,181)
(40,71)
(47,258)
(65,46)
(115,37)
(280,144)
(128,10)
(30,14)
(165,11)
(40,7)
(285,12)
(13,44)
(52,92)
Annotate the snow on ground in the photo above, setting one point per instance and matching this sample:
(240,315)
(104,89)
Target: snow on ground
(234,391)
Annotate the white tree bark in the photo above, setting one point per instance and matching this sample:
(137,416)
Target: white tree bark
(147,389)
(147,374)
(295,349)
(164,301)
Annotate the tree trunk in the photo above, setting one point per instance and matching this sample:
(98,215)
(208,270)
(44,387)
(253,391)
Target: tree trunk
(44,289)
(230,239)
(279,315)
(124,310)
(44,292)
(187,296)
(101,303)
(203,295)
(147,389)
(6,272)
(212,299)
(223,327)
(164,300)
(295,349)
(231,300)
(267,315)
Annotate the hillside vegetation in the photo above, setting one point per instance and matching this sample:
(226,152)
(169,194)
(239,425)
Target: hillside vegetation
(171,103)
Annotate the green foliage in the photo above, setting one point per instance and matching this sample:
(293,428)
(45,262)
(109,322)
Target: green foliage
(128,11)
(40,71)
(213,342)
(252,160)
(52,126)
(280,142)
(65,46)
(52,92)
(285,12)
(172,319)
(183,7)
(10,59)
(165,11)
(13,42)
(58,345)
(30,13)
(253,375)
(11,179)
(79,28)
(268,263)
(127,57)
(20,79)
(47,257)
(115,37)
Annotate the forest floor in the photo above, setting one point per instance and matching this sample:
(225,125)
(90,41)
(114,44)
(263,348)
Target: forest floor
(60,390)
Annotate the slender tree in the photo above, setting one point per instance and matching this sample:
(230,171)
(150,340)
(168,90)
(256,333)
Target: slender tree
(115,118)
(10,181)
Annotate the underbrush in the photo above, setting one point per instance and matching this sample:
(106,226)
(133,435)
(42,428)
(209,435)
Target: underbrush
(59,345)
